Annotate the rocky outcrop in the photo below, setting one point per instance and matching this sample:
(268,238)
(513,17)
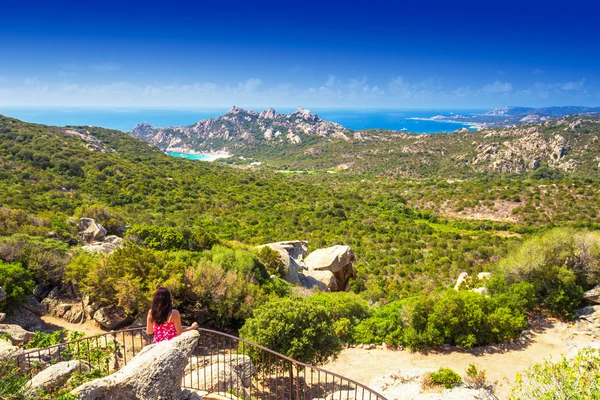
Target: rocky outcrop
(16,333)
(407,384)
(465,281)
(54,377)
(7,350)
(112,317)
(108,245)
(90,230)
(233,373)
(71,311)
(327,269)
(34,306)
(2,294)
(24,318)
(291,253)
(592,295)
(240,127)
(154,374)
(337,260)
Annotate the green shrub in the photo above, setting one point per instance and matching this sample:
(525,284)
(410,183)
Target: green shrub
(576,378)
(560,265)
(173,238)
(12,380)
(16,281)
(42,340)
(460,318)
(445,377)
(296,328)
(272,261)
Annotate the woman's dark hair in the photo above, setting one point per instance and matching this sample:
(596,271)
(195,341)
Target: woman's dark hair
(161,305)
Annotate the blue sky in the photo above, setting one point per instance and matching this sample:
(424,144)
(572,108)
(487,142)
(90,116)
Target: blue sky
(370,54)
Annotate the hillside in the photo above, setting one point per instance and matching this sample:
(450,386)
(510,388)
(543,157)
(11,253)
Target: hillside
(569,145)
(302,141)
(239,127)
(51,175)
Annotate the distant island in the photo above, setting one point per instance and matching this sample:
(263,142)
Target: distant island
(513,116)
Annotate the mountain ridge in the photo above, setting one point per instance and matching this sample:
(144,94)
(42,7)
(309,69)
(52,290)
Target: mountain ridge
(239,127)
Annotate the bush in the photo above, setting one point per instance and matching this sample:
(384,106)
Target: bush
(477,379)
(12,380)
(16,281)
(560,265)
(347,310)
(443,377)
(460,318)
(169,238)
(296,328)
(577,378)
(272,261)
(44,258)
(41,340)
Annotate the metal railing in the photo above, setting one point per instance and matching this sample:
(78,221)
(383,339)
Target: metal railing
(108,352)
(220,364)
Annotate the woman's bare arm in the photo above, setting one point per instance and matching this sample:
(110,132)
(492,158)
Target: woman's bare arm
(177,322)
(149,327)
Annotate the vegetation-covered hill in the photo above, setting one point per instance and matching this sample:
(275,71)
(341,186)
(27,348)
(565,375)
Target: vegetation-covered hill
(412,235)
(570,145)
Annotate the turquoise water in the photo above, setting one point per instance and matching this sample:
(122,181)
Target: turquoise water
(126,118)
(203,157)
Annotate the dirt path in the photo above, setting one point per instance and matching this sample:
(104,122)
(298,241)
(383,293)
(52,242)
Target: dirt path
(89,327)
(501,364)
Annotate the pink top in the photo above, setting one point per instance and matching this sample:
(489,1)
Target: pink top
(164,331)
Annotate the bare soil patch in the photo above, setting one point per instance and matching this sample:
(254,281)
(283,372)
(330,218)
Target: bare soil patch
(548,341)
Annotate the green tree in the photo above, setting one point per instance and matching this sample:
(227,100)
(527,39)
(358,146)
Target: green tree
(295,328)
(16,281)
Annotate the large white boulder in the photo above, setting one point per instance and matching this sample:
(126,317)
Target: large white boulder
(337,261)
(91,230)
(332,259)
(461,278)
(53,377)
(154,374)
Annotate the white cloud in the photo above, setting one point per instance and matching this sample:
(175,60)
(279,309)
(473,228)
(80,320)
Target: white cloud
(331,81)
(573,85)
(538,71)
(104,67)
(354,92)
(497,87)
(251,85)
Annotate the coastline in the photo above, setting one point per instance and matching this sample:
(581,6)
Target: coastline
(192,155)
(473,125)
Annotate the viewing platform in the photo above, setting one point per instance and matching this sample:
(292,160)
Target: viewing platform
(219,366)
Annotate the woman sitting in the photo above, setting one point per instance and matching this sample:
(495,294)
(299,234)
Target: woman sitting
(163,321)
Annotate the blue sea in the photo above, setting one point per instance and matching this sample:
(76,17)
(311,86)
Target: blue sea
(126,118)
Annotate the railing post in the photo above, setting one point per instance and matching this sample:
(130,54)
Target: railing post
(291,381)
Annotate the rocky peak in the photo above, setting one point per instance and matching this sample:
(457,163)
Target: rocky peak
(269,113)
(307,115)
(144,127)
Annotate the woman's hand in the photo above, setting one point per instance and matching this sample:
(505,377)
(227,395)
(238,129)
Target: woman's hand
(194,326)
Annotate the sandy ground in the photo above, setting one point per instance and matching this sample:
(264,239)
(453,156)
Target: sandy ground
(502,363)
(90,328)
